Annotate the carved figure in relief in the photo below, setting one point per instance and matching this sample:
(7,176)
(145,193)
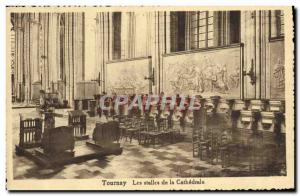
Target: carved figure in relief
(278,75)
(203,76)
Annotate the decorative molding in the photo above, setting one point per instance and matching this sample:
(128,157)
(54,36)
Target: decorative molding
(125,60)
(204,49)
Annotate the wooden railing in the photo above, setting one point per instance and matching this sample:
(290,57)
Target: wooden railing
(30,133)
(77,120)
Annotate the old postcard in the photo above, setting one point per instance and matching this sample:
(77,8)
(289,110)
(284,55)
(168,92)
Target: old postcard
(150,98)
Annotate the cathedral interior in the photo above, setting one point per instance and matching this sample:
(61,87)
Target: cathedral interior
(64,64)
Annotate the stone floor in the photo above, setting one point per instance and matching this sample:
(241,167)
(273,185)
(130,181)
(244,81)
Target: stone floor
(136,161)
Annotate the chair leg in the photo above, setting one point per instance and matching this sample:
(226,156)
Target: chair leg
(123,133)
(211,154)
(139,138)
(222,159)
(163,139)
(131,135)
(200,152)
(174,137)
(153,141)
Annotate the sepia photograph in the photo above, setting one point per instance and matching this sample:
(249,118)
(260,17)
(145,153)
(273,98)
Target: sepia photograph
(150,98)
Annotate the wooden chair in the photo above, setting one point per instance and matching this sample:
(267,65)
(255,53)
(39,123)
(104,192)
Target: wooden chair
(142,130)
(162,125)
(168,134)
(152,133)
(255,152)
(189,117)
(225,147)
(213,145)
(204,142)
(133,129)
(176,123)
(124,123)
(196,141)
(163,118)
(273,162)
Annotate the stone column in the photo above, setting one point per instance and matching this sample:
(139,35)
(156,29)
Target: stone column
(106,44)
(148,34)
(89,25)
(35,25)
(258,57)
(41,52)
(21,69)
(267,54)
(168,33)
(253,35)
(187,30)
(99,47)
(156,62)
(72,59)
(53,27)
(66,57)
(76,57)
(26,56)
(124,29)
(110,35)
(47,54)
(264,52)
(248,31)
(17,55)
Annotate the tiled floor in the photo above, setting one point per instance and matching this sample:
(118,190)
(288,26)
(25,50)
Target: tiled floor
(136,161)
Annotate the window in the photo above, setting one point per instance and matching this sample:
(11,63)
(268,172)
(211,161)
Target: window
(219,28)
(160,30)
(276,23)
(177,31)
(116,17)
(234,27)
(61,48)
(202,33)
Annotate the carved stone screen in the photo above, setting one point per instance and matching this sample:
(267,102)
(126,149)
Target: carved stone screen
(277,70)
(128,76)
(204,72)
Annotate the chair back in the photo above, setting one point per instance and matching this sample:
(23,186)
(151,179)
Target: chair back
(177,115)
(125,109)
(135,122)
(165,113)
(151,124)
(153,111)
(189,117)
(255,141)
(225,137)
